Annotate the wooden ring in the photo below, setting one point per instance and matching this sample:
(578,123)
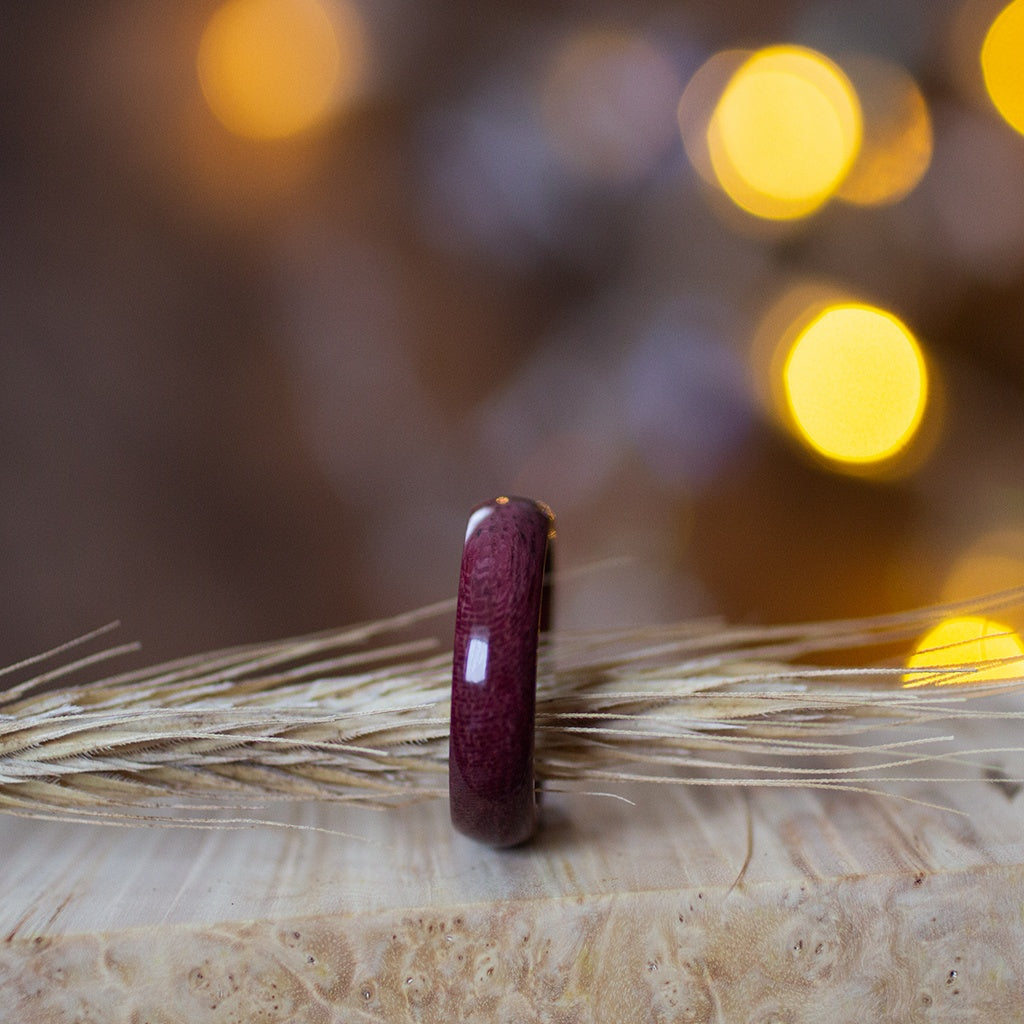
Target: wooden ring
(494,670)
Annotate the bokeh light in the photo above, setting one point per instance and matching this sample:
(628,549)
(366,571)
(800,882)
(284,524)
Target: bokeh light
(697,105)
(896,146)
(779,325)
(1002,63)
(964,650)
(607,101)
(855,384)
(271,69)
(992,563)
(784,133)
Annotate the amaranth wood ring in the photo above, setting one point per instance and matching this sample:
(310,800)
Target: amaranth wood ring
(494,670)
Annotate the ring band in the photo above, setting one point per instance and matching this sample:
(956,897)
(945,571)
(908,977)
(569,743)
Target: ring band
(494,670)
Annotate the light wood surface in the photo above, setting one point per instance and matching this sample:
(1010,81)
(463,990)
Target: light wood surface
(852,908)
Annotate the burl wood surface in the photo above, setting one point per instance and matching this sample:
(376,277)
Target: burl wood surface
(852,909)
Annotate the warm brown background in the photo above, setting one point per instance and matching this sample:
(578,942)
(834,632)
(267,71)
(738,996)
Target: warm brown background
(252,389)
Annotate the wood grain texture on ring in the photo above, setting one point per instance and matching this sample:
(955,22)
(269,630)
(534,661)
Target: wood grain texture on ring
(494,671)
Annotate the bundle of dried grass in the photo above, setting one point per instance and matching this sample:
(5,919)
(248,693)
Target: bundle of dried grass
(358,717)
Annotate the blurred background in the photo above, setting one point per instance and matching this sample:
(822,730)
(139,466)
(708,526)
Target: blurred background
(287,286)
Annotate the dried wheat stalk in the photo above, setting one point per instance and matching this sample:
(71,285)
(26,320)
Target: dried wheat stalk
(352,716)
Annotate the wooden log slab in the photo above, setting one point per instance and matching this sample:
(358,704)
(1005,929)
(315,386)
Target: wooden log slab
(851,908)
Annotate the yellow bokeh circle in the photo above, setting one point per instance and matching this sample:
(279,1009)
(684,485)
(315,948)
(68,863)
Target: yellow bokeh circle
(1002,63)
(270,69)
(784,132)
(966,649)
(855,384)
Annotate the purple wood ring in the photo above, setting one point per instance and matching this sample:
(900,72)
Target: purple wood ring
(494,670)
